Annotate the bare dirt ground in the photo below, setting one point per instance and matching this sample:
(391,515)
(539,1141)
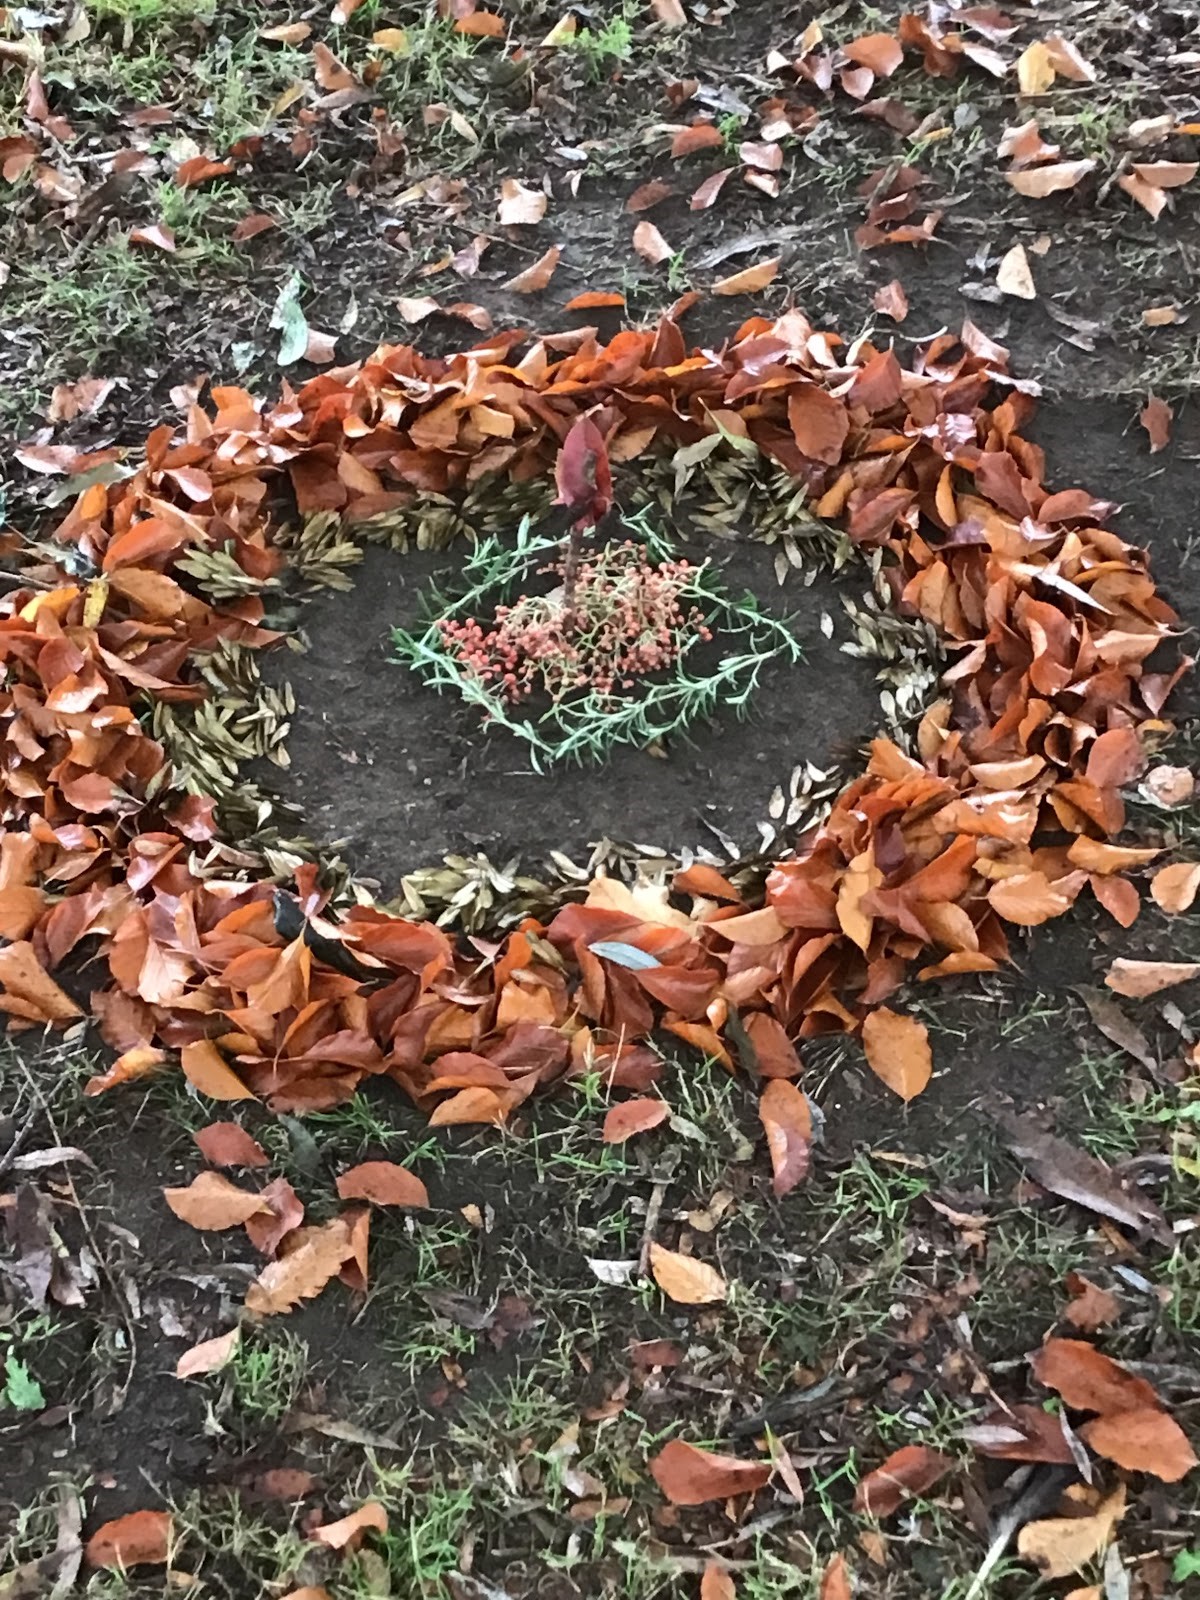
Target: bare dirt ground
(508,1374)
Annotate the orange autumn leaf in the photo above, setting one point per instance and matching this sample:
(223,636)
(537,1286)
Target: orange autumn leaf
(482,25)
(630,1117)
(891,301)
(909,1471)
(684,1279)
(1156,418)
(205,1068)
(749,281)
(716,1582)
(787,1119)
(689,1476)
(348,1533)
(313,1257)
(29,991)
(897,1050)
(1138,979)
(535,278)
(384,1183)
(139,1539)
(1061,1546)
(595,300)
(700,136)
(1142,1441)
(211,1203)
(140,1062)
(1089,1380)
(835,1581)
(209,1356)
(1174,888)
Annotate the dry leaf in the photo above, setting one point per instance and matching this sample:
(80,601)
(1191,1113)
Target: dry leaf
(649,194)
(384,1183)
(716,1583)
(669,12)
(633,1116)
(29,990)
(897,1050)
(891,301)
(1014,275)
(1060,1546)
(1088,1380)
(650,244)
(1174,888)
(314,1256)
(1035,70)
(157,235)
(1169,786)
(521,206)
(1037,182)
(689,1476)
(212,1203)
(787,1118)
(535,278)
(1137,979)
(482,25)
(332,76)
(705,193)
(140,1539)
(835,1582)
(684,1279)
(349,1532)
(205,1068)
(1067,61)
(210,1356)
(1142,1441)
(1090,1307)
(751,280)
(226,1144)
(1156,417)
(909,1471)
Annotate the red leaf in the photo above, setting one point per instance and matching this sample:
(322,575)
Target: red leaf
(582,474)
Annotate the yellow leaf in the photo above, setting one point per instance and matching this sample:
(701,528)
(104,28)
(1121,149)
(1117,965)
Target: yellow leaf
(684,1279)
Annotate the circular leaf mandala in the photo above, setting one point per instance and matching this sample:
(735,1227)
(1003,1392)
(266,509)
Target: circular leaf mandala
(1020,627)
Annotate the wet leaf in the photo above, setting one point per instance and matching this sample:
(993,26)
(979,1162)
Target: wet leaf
(689,1476)
(684,1279)
(212,1203)
(909,1471)
(140,1539)
(384,1183)
(750,281)
(633,1116)
(787,1118)
(1137,979)
(897,1050)
(210,1356)
(1076,1175)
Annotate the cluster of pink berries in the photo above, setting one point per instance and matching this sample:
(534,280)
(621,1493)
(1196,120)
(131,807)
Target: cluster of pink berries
(626,622)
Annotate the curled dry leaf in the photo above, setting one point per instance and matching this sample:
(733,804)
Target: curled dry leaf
(751,280)
(705,194)
(212,1203)
(535,278)
(1174,888)
(210,1356)
(314,1256)
(227,1144)
(521,205)
(1156,417)
(650,244)
(384,1183)
(909,1471)
(349,1532)
(787,1118)
(689,1476)
(1060,1546)
(684,1279)
(140,1539)
(897,1050)
(633,1116)
(1137,979)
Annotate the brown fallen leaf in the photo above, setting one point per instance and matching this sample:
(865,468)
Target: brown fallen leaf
(1142,1441)
(1090,1307)
(314,1256)
(649,194)
(701,135)
(1014,276)
(689,1476)
(482,25)
(30,992)
(210,1356)
(139,1539)
(1156,417)
(897,1050)
(212,1203)
(705,194)
(331,74)
(716,1582)
(1137,979)
(835,1581)
(158,235)
(1060,1546)
(205,1069)
(629,1117)
(1169,786)
(521,205)
(749,281)
(227,1144)
(891,301)
(1073,1174)
(909,1471)
(535,278)
(650,244)
(384,1183)
(348,1533)
(684,1279)
(1088,1380)
(1174,888)
(670,13)
(1035,70)
(786,1117)
(1037,182)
